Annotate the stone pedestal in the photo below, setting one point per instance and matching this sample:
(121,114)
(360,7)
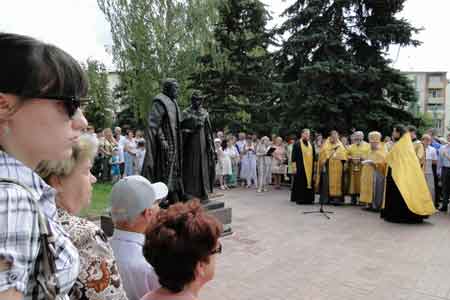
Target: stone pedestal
(215,208)
(223,214)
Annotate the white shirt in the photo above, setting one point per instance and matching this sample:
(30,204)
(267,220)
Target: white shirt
(122,141)
(232,153)
(430,155)
(137,274)
(241,145)
(131,145)
(140,156)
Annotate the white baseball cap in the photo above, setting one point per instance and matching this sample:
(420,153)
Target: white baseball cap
(131,195)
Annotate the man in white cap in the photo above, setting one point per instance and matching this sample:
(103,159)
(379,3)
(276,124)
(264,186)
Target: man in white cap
(134,206)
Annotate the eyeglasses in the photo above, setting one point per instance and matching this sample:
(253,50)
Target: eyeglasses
(218,250)
(71,103)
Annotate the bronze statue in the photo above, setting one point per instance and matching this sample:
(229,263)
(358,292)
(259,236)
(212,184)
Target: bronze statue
(163,159)
(199,154)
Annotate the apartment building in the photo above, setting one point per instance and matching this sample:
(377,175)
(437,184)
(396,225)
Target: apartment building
(434,98)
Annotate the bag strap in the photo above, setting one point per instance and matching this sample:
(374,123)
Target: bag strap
(45,257)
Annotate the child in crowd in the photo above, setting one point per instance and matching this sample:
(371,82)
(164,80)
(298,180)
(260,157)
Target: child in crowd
(115,165)
(140,155)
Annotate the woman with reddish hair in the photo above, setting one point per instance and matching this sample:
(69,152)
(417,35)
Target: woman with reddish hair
(182,248)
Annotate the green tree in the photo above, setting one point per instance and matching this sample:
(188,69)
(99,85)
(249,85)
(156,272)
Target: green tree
(126,117)
(99,111)
(237,79)
(156,39)
(334,68)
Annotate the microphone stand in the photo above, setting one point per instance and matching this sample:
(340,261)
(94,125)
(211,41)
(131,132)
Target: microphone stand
(321,209)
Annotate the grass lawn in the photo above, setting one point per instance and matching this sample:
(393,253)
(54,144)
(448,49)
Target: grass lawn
(100,200)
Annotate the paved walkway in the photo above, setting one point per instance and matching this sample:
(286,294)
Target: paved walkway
(278,253)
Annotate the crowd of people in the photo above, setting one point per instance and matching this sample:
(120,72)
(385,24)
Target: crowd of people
(118,155)
(341,167)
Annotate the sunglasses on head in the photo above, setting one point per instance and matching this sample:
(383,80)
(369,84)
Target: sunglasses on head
(71,103)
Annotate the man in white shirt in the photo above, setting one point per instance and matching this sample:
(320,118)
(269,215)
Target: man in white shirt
(121,140)
(430,165)
(134,206)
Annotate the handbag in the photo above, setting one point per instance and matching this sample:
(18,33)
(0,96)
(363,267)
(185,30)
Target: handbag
(45,266)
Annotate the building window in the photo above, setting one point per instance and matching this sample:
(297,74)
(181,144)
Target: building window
(435,93)
(435,80)
(435,106)
(438,123)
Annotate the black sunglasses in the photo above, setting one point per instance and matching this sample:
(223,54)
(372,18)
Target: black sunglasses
(71,103)
(218,250)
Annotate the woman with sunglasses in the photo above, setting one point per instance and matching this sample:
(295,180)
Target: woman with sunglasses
(182,247)
(41,90)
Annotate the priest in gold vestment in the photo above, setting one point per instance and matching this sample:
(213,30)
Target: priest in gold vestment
(356,153)
(407,198)
(330,170)
(373,173)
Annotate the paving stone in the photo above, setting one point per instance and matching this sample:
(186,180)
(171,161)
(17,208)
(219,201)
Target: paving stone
(277,252)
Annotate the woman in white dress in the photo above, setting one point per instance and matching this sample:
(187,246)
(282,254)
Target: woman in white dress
(233,153)
(248,163)
(223,166)
(264,163)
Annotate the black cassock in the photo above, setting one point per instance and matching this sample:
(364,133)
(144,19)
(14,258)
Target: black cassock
(395,208)
(301,194)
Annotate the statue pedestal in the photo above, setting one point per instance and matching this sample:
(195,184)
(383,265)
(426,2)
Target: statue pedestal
(223,214)
(214,207)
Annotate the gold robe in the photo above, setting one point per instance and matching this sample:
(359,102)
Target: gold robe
(308,162)
(334,154)
(355,151)
(409,178)
(367,173)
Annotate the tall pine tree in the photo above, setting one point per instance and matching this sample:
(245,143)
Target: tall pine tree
(236,78)
(334,69)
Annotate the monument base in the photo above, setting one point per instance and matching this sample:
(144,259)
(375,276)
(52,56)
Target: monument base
(213,207)
(223,214)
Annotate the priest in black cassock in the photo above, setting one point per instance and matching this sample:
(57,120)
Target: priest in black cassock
(303,163)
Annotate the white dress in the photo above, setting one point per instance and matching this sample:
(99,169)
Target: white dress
(264,165)
(248,164)
(223,166)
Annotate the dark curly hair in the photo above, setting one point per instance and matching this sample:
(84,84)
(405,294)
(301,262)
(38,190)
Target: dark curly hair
(183,236)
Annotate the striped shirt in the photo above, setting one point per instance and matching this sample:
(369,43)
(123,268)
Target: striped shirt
(19,231)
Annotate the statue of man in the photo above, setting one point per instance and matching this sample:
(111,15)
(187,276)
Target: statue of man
(199,154)
(163,157)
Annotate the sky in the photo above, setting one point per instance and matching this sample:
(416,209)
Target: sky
(80,28)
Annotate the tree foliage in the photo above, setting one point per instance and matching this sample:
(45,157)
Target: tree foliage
(237,79)
(156,39)
(333,65)
(99,111)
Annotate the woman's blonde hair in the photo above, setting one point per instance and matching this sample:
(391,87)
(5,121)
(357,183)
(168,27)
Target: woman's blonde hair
(85,149)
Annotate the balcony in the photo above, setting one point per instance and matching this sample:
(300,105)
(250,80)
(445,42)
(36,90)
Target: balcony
(436,100)
(436,85)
